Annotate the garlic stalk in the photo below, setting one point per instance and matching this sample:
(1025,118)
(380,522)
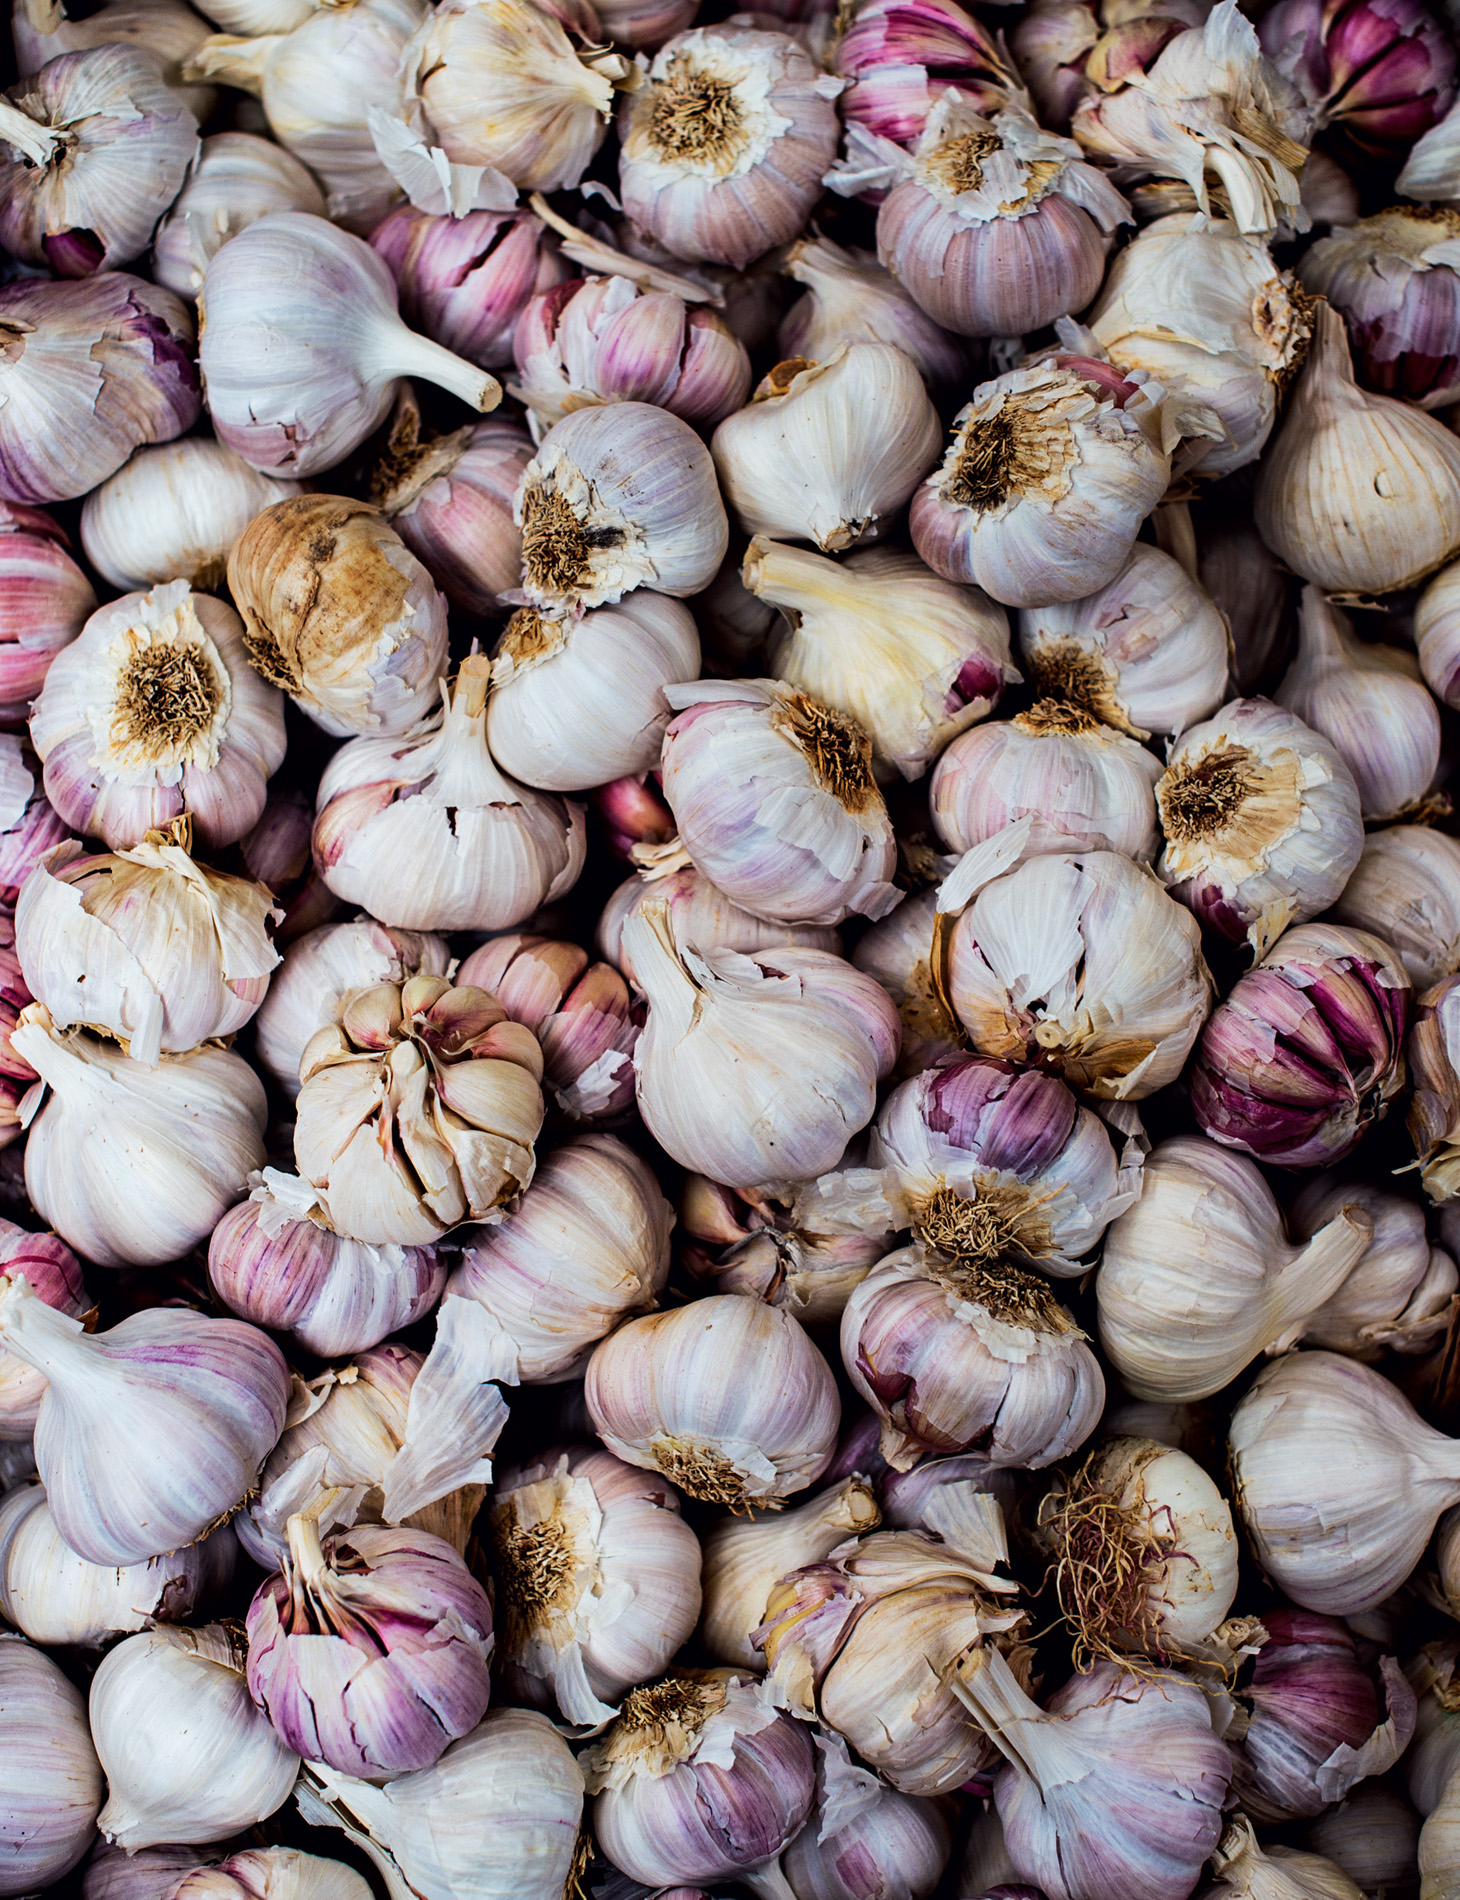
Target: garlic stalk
(465,281)
(1393,278)
(1275,1873)
(238,178)
(851,298)
(45,600)
(1400,1293)
(1406,887)
(864,1840)
(700,915)
(53,1273)
(53,1783)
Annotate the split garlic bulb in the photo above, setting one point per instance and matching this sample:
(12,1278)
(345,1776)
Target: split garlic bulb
(1197,1279)
(851,298)
(726,143)
(1398,1295)
(1393,279)
(212,1392)
(1146,653)
(449,498)
(418,1109)
(726,1397)
(578,703)
(864,1839)
(829,452)
(45,600)
(1261,820)
(1433,1054)
(913,659)
(237,179)
(700,915)
(52,1272)
(756,1068)
(806,839)
(153,710)
(188,1757)
(619,496)
(466,280)
(597,1579)
(429,834)
(53,1781)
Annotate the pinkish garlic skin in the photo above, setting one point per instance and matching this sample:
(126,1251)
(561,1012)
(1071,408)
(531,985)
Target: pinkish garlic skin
(150,1874)
(451,503)
(53,1271)
(45,600)
(1383,70)
(466,281)
(901,56)
(1402,310)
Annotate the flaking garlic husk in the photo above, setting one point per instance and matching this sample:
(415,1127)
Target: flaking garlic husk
(1433,1058)
(1400,1293)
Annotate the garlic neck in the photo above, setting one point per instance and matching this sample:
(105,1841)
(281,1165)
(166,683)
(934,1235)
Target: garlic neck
(1326,641)
(37,144)
(660,973)
(34,1332)
(389,350)
(1328,374)
(1315,1273)
(235,60)
(306,1552)
(797,581)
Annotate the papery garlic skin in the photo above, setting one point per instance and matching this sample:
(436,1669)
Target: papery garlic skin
(237,179)
(1406,887)
(675,1392)
(898,953)
(53,1272)
(1381,78)
(466,280)
(1245,1868)
(1399,1293)
(864,1840)
(168,31)
(53,1782)
(45,600)
(1437,635)
(1433,1057)
(1372,1835)
(1393,279)
(113,1874)
(154,710)
(851,298)
(700,916)
(829,451)
(188,1758)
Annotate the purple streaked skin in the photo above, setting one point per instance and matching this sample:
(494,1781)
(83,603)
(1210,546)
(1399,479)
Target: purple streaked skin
(898,51)
(1382,69)
(466,281)
(1011,1120)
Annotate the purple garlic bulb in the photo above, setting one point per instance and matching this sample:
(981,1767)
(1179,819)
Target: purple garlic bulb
(466,281)
(1395,280)
(1383,70)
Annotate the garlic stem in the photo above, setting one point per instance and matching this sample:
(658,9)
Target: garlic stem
(659,972)
(1315,1274)
(236,60)
(393,350)
(36,143)
(37,1334)
(791,578)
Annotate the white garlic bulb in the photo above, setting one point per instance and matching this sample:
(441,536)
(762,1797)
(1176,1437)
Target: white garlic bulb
(188,1758)
(1406,889)
(1274,1873)
(851,298)
(175,508)
(829,452)
(578,703)
(428,834)
(1437,634)
(1148,652)
(1439,1845)
(237,179)
(1399,1293)
(53,1784)
(864,1840)
(700,915)
(166,30)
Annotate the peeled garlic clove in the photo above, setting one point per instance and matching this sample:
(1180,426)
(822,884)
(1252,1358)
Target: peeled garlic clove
(1407,886)
(851,298)
(466,281)
(864,1839)
(597,1580)
(700,915)
(1307,1050)
(53,1272)
(1399,1293)
(45,600)
(188,1758)
(236,179)
(53,1783)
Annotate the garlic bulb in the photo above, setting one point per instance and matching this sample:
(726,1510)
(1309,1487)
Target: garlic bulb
(585,1246)
(1367,700)
(89,372)
(746,1555)
(1393,279)
(1146,653)
(188,1758)
(274,1259)
(913,659)
(1251,588)
(53,1273)
(898,953)
(808,839)
(168,31)
(991,1164)
(1433,1053)
(513,1779)
(700,915)
(1337,1535)
(1432,1760)
(1372,1835)
(299,394)
(1399,1293)
(1261,820)
(829,451)
(700,1778)
(577,703)
(263,1873)
(1381,77)
(760,1068)
(851,298)
(152,710)
(597,1579)
(340,614)
(1438,1853)
(29,828)
(619,496)
(237,179)
(1081,962)
(864,1840)
(417,1110)
(53,1783)
(725,144)
(1281,1873)
(726,1397)
(900,61)
(1359,493)
(430,834)
(45,600)
(174,510)
(1307,1050)
(1050,472)
(1406,885)
(54,1596)
(465,281)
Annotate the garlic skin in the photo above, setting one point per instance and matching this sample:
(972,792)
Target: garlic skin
(29,827)
(898,954)
(1433,1053)
(53,1782)
(274,1259)
(864,1840)
(149,1874)
(618,496)
(152,710)
(726,1397)
(428,832)
(597,1580)
(1147,653)
(1244,1868)
(1439,1848)
(1407,885)
(913,659)
(1393,279)
(92,370)
(237,179)
(1337,1536)
(578,703)
(166,30)
(1358,493)
(301,393)
(53,1273)
(267,1873)
(53,1596)
(699,915)
(174,509)
(829,451)
(188,1758)
(146,945)
(807,840)
(465,281)
(1431,1763)
(1369,702)
(45,600)
(726,142)
(1372,1835)
(1437,635)
(940,43)
(1399,1293)
(851,298)
(760,1068)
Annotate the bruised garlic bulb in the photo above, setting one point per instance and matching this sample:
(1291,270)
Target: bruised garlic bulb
(53,1782)
(238,178)
(829,451)
(1406,887)
(1400,1292)
(864,1840)
(700,915)
(597,1579)
(428,833)
(851,298)
(52,1272)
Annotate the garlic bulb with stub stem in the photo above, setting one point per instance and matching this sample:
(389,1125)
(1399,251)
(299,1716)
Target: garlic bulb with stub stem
(726,1397)
(52,1272)
(851,298)
(597,1579)
(188,1757)
(829,451)
(1358,493)
(1399,1294)
(1406,888)
(238,178)
(1433,1057)
(864,1840)
(1273,1873)
(1437,635)
(168,31)
(45,600)
(898,953)
(174,509)
(1368,701)
(54,1597)
(465,281)
(1198,1278)
(912,658)
(1393,278)
(700,914)
(53,1783)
